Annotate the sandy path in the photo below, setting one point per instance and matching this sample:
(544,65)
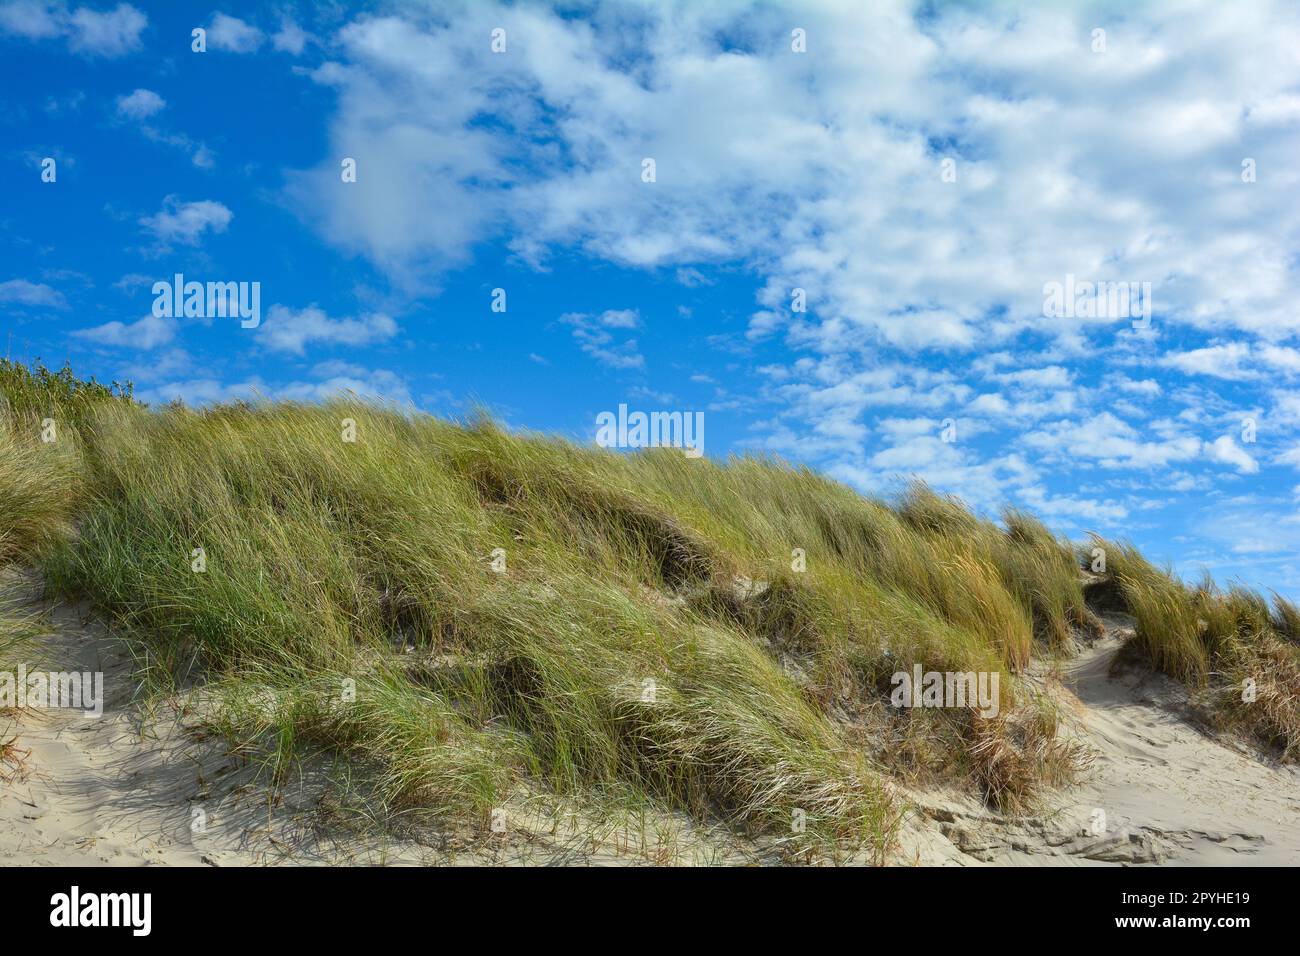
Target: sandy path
(88,790)
(1200,800)
(1165,792)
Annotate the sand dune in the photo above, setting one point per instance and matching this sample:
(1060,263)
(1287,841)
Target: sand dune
(140,788)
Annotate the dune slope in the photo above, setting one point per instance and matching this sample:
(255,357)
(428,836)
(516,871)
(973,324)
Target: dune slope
(486,626)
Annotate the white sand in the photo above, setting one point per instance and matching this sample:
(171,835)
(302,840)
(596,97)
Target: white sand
(122,790)
(1170,794)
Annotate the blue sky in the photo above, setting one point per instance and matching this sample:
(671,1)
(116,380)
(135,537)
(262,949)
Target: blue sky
(1107,157)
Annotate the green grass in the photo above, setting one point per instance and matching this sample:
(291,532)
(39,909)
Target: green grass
(714,639)
(1216,641)
(31,395)
(40,486)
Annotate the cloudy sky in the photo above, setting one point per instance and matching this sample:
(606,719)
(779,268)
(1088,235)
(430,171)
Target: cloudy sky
(922,171)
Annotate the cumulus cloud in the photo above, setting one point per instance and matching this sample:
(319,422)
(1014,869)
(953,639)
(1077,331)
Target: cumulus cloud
(30,20)
(108,33)
(1147,387)
(233,35)
(147,333)
(377,384)
(186,223)
(291,330)
(824,170)
(593,335)
(1112,443)
(1236,360)
(1224,449)
(1053,376)
(23,292)
(139,104)
(290,38)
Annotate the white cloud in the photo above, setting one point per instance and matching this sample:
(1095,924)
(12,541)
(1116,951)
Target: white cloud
(140,104)
(1270,528)
(30,20)
(200,155)
(784,162)
(1224,449)
(372,385)
(1073,508)
(185,223)
(1286,407)
(593,336)
(1053,376)
(378,384)
(1112,443)
(23,292)
(336,368)
(291,330)
(133,283)
(692,278)
(56,105)
(201,391)
(290,38)
(1282,359)
(233,35)
(990,403)
(1236,361)
(1148,387)
(918,454)
(155,366)
(107,33)
(620,318)
(147,333)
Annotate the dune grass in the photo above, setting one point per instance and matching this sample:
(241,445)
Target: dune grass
(41,476)
(39,488)
(1230,645)
(474,615)
(30,395)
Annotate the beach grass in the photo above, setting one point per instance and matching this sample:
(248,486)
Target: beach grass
(473,614)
